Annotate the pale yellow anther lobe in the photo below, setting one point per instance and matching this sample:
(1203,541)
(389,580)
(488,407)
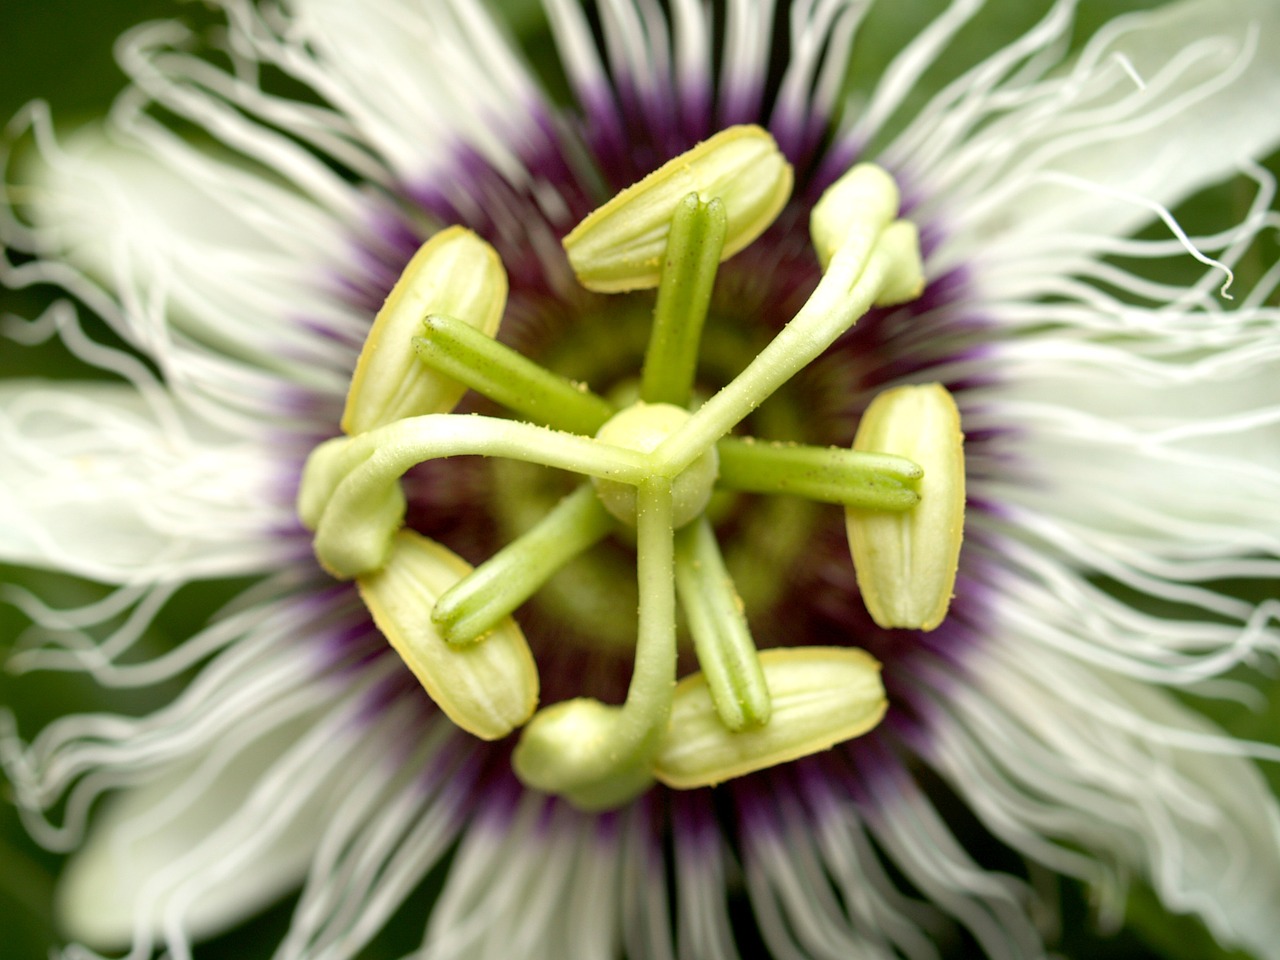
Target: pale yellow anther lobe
(455,273)
(487,689)
(621,245)
(821,696)
(906,562)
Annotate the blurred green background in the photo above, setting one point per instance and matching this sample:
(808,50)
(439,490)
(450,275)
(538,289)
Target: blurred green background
(61,51)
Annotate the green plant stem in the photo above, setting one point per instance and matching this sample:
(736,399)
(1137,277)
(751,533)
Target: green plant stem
(475,604)
(648,703)
(721,636)
(391,450)
(694,245)
(539,396)
(875,481)
(846,292)
(350,491)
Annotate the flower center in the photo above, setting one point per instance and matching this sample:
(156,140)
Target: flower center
(644,427)
(653,468)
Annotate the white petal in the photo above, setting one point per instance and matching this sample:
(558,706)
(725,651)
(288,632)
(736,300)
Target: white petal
(107,884)
(796,904)
(1158,105)
(234,824)
(1059,606)
(1219,128)
(1176,459)
(241,119)
(375,847)
(431,77)
(700,871)
(917,840)
(272,656)
(532,882)
(746,56)
(1055,756)
(646,918)
(98,482)
(874,903)
(209,268)
(822,40)
(902,75)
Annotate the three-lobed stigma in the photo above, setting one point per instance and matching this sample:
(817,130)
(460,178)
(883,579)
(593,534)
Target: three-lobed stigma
(652,469)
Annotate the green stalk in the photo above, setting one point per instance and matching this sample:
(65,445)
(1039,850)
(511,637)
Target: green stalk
(854,281)
(478,602)
(457,350)
(688,275)
(353,492)
(721,636)
(648,703)
(874,481)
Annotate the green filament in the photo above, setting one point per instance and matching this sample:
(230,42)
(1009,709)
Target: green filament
(684,293)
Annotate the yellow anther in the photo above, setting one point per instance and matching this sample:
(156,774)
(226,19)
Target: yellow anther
(488,688)
(621,245)
(906,562)
(455,273)
(821,696)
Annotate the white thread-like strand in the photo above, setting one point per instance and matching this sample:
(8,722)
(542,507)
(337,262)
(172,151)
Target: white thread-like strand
(1093,379)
